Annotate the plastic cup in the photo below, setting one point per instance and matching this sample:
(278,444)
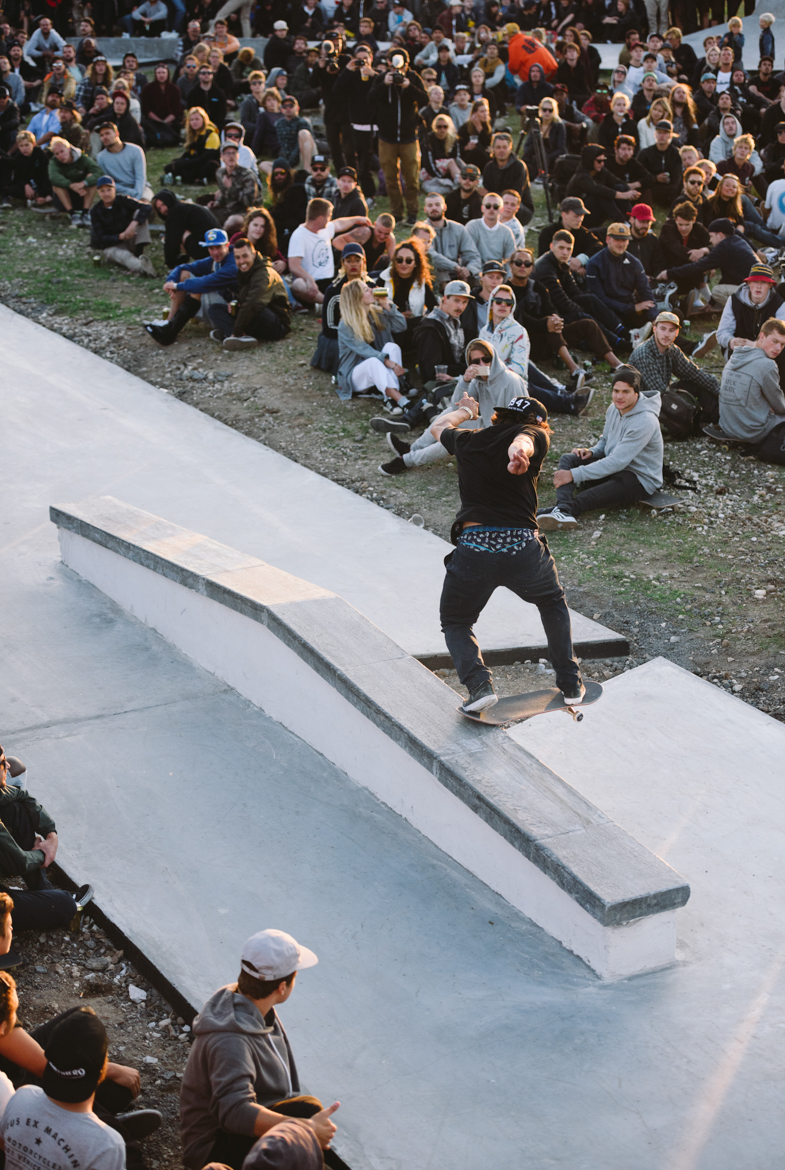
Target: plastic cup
(440,370)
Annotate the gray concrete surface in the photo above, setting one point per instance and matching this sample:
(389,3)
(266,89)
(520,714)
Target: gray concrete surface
(82,426)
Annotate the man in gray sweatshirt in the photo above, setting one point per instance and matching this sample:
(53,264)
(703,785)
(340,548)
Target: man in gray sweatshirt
(752,405)
(623,467)
(241,1079)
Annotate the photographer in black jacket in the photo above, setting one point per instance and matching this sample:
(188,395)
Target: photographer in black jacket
(326,72)
(354,88)
(396,95)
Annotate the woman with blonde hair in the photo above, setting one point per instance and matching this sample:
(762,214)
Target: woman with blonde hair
(554,136)
(440,171)
(659,110)
(368,356)
(617,121)
(201,154)
(506,335)
(410,286)
(475,135)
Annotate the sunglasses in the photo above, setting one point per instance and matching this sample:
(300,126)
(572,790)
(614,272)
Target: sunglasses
(523,263)
(502,301)
(492,206)
(318,167)
(480,361)
(699,182)
(287,105)
(404,259)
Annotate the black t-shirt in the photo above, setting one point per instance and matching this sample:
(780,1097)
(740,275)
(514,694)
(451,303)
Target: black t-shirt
(490,494)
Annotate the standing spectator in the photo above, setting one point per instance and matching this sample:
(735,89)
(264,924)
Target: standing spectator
(162,110)
(492,239)
(73,176)
(505,172)
(396,95)
(208,97)
(201,155)
(118,228)
(124,162)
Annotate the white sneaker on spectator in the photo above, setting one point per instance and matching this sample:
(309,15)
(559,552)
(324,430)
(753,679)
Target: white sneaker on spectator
(85,220)
(76,218)
(552,521)
(240,343)
(707,344)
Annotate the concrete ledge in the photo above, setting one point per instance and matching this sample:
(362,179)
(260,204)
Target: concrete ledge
(315,664)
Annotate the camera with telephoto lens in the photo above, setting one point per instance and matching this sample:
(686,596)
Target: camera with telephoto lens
(532,117)
(397,63)
(328,51)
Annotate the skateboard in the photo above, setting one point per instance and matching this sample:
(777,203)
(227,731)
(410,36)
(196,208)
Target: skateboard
(659,501)
(718,435)
(517,708)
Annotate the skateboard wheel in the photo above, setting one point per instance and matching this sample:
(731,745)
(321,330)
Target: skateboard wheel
(579,717)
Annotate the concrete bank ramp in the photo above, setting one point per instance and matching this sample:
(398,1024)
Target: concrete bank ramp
(82,426)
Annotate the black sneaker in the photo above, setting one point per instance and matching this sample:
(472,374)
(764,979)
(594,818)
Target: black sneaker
(481,699)
(580,402)
(394,467)
(411,220)
(397,445)
(385,426)
(573,697)
(138,1124)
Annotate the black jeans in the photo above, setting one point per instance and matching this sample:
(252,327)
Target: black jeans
(359,156)
(40,906)
(231,1149)
(470,581)
(601,313)
(615,491)
(265,325)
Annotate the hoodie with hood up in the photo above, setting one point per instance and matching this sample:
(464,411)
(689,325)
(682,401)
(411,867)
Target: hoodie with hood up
(751,401)
(511,342)
(498,389)
(597,190)
(722,145)
(238,1061)
(629,442)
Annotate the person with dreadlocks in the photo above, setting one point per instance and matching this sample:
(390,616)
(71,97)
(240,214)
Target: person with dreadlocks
(498,542)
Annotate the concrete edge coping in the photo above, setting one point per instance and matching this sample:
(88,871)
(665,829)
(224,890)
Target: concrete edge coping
(601,867)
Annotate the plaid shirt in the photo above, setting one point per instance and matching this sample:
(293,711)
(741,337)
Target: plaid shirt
(287,130)
(657,369)
(328,189)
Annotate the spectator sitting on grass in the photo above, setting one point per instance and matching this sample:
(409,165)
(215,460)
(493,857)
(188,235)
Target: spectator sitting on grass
(71,126)
(262,310)
(492,239)
(194,287)
(186,225)
(9,119)
(752,405)
(659,358)
(252,105)
(730,253)
(240,1080)
(25,174)
(118,227)
(202,152)
(311,257)
(295,139)
(162,109)
(369,358)
(237,189)
(320,184)
(128,128)
(46,124)
(623,467)
(208,97)
(287,201)
(235,132)
(353,267)
(73,175)
(124,162)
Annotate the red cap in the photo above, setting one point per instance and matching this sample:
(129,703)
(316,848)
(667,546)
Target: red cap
(642,211)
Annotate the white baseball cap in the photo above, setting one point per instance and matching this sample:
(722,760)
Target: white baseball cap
(273,954)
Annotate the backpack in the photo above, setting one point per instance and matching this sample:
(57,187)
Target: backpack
(680,413)
(561,172)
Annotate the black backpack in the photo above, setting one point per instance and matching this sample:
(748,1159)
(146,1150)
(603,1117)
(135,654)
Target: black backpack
(680,413)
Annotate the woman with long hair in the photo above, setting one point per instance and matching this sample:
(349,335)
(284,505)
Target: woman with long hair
(100,72)
(201,153)
(659,109)
(506,335)
(222,76)
(554,137)
(475,135)
(725,203)
(127,126)
(259,227)
(369,358)
(410,286)
(440,171)
(478,89)
(617,121)
(685,116)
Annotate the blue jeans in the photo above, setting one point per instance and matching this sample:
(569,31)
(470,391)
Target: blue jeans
(471,579)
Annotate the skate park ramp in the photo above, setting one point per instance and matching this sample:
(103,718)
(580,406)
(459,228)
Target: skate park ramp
(83,426)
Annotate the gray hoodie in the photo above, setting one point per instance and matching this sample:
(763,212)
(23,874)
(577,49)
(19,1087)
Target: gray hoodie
(499,388)
(629,442)
(751,401)
(238,1061)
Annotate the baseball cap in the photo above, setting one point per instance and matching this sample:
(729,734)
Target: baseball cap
(725,226)
(528,406)
(319,158)
(492,266)
(666,318)
(664,125)
(105,181)
(214,237)
(230,146)
(350,171)
(279,24)
(642,211)
(462,86)
(75,1055)
(560,87)
(457,288)
(619,231)
(779,127)
(353,250)
(761,272)
(573,203)
(273,954)
(472,172)
(290,1143)
(650,73)
(709,77)
(4,92)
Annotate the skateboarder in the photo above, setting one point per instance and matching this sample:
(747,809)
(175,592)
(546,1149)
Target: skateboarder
(498,542)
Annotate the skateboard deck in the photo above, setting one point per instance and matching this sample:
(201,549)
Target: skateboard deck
(659,500)
(516,708)
(718,435)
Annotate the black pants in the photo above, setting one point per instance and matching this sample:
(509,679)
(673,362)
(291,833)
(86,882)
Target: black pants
(615,491)
(360,156)
(231,1149)
(161,133)
(601,313)
(582,334)
(332,130)
(265,325)
(40,906)
(191,170)
(470,581)
(772,449)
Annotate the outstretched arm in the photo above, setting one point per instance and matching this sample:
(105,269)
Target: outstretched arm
(519,453)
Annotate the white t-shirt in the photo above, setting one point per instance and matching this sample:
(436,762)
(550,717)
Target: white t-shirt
(39,1135)
(775,201)
(315,249)
(723,81)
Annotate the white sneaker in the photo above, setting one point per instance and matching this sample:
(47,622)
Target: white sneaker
(707,344)
(635,338)
(240,343)
(553,521)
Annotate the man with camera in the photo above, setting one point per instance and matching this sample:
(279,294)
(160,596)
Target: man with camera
(396,96)
(354,87)
(331,61)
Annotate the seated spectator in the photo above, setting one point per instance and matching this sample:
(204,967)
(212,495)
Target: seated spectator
(202,152)
(646,128)
(474,136)
(222,76)
(377,240)
(188,80)
(71,126)
(208,97)
(694,182)
(118,228)
(223,39)
(617,123)
(327,356)
(349,200)
(124,162)
(752,405)
(663,161)
(28,73)
(511,202)
(465,202)
(186,226)
(252,105)
(162,110)
(440,171)
(13,83)
(60,80)
(746,311)
(310,253)
(262,312)
(572,212)
(554,138)
(146,20)
(45,125)
(237,189)
(626,168)
(193,288)
(773,156)
(25,174)
(28,846)
(246,64)
(531,91)
(548,332)
(320,184)
(452,253)
(259,227)
(137,80)
(235,132)
(99,73)
(506,172)
(9,119)
(730,253)
(619,281)
(552,271)
(128,128)
(439,340)
(295,139)
(623,467)
(368,356)
(492,239)
(602,194)
(660,358)
(73,175)
(460,110)
(287,201)
(409,287)
(508,337)
(265,137)
(644,244)
(684,240)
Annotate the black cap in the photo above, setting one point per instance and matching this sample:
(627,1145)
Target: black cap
(524,406)
(75,1055)
(350,171)
(726,226)
(492,266)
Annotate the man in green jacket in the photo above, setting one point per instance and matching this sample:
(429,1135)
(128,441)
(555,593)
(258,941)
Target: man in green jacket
(73,175)
(28,845)
(262,312)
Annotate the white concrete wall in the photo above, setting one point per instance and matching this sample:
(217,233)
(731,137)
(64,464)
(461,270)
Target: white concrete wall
(250,658)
